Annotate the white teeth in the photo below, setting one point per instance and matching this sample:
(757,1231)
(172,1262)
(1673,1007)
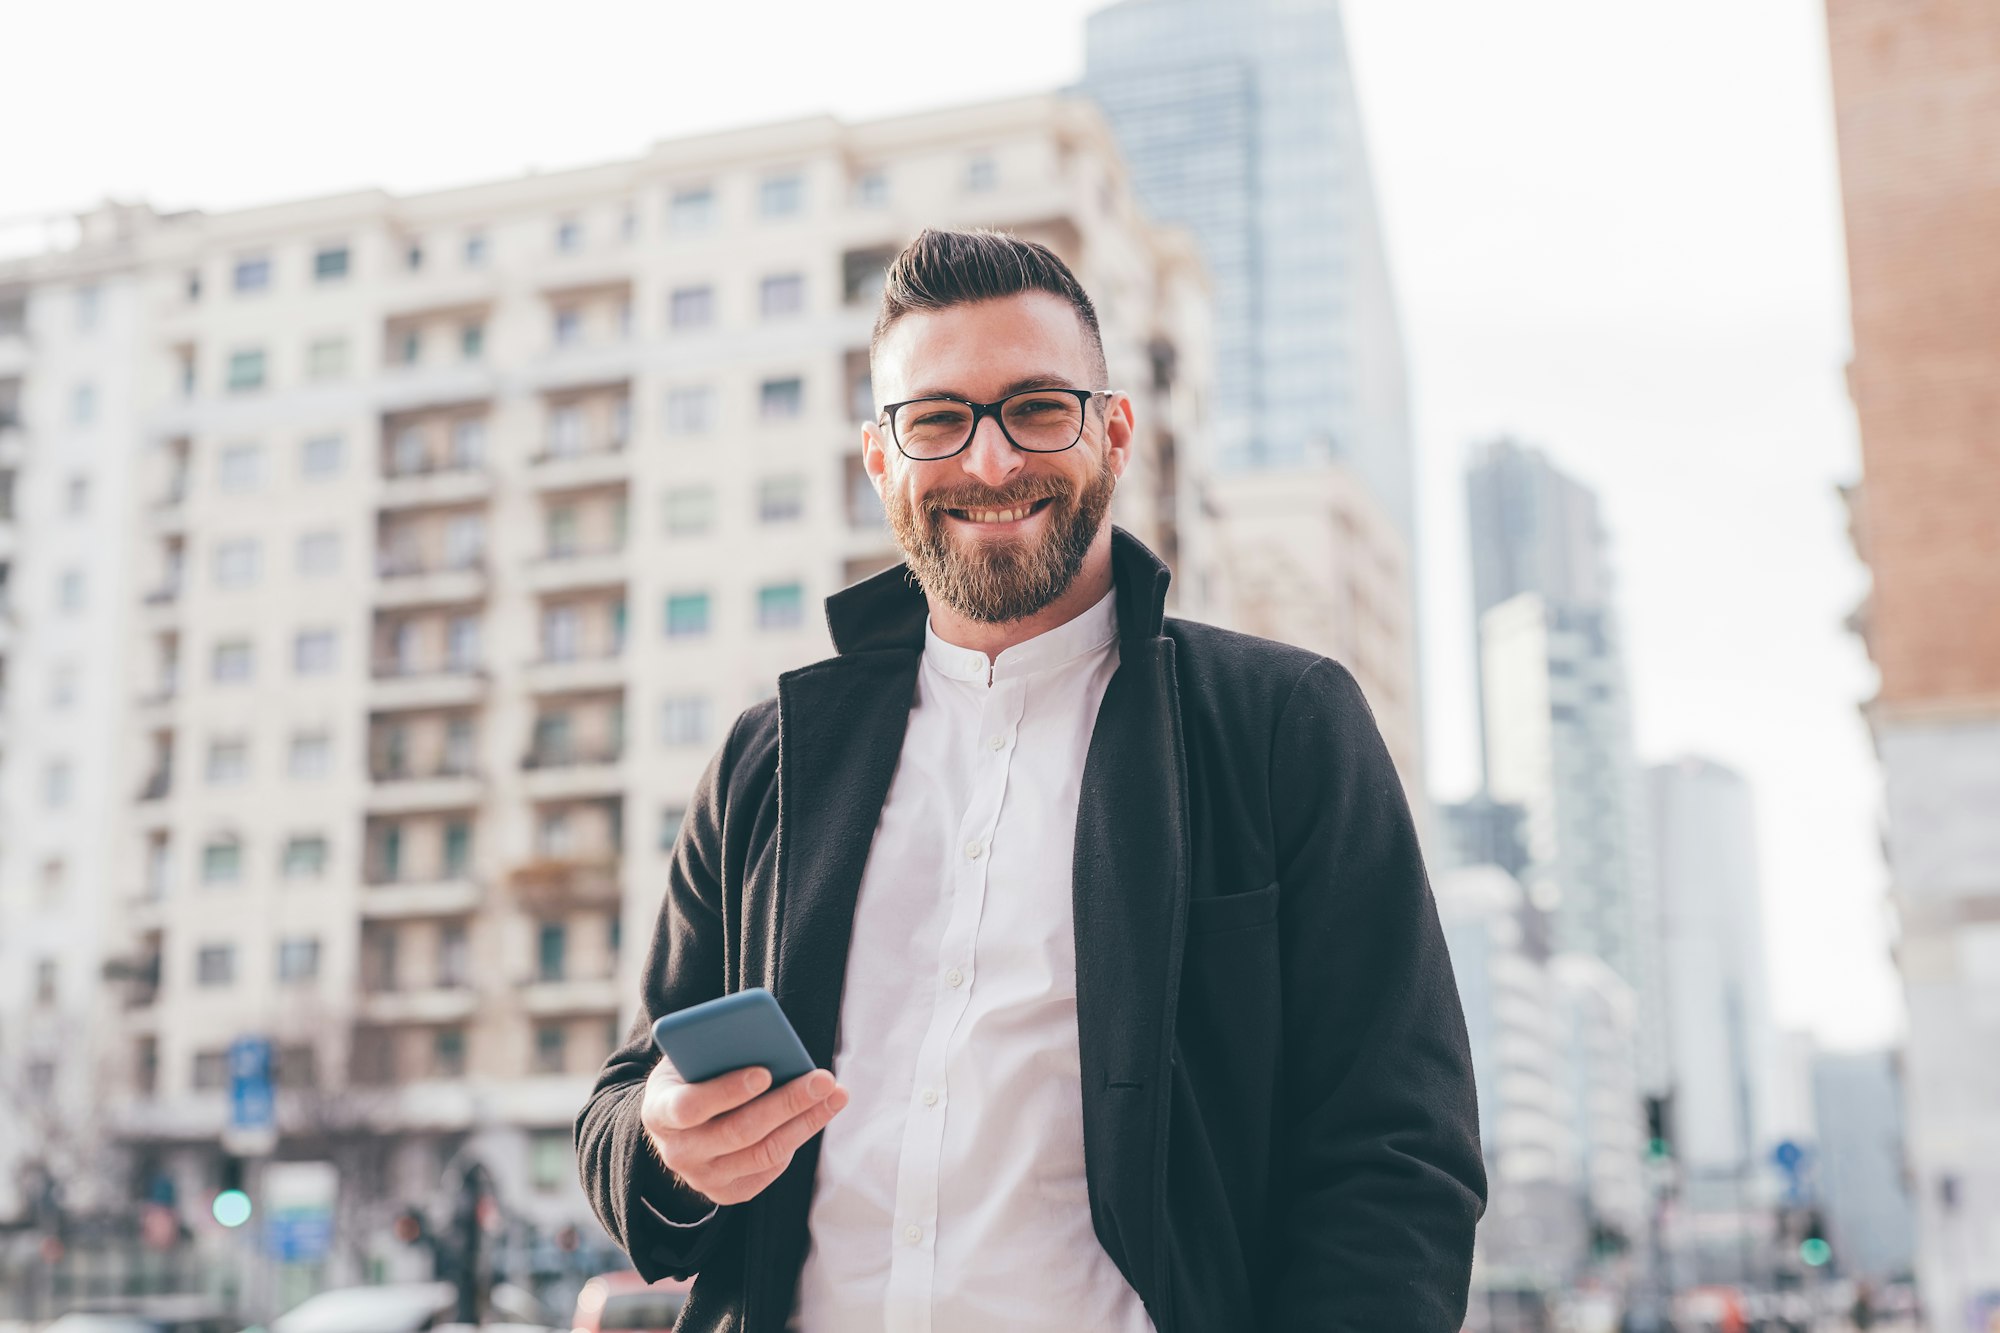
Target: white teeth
(997,515)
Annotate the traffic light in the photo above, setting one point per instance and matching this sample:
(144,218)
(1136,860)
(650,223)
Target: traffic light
(232,1204)
(1814,1251)
(409,1226)
(1659,1127)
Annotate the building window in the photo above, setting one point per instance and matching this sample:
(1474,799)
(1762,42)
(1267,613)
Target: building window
(69,590)
(457,763)
(782,295)
(687,615)
(468,442)
(552,1161)
(222,861)
(326,359)
(781,400)
(330,263)
(294,1067)
(312,652)
(461,643)
(240,469)
(298,958)
(551,951)
(472,341)
(211,1071)
(569,235)
(319,456)
(566,430)
(781,499)
(689,510)
(231,661)
(410,347)
(684,720)
(62,685)
(555,837)
(569,326)
(192,285)
(561,530)
(475,249)
(690,410)
(691,308)
(45,981)
(228,762)
(319,554)
(781,606)
(691,209)
(413,256)
(253,274)
(549,1044)
(871,189)
(236,563)
(83,404)
(304,857)
(215,965)
(311,755)
(982,173)
(246,370)
(671,819)
(781,196)
(562,633)
(56,784)
(77,497)
(465,541)
(87,307)
(448,1053)
(457,849)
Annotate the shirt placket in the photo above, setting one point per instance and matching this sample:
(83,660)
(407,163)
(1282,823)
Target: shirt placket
(913,1265)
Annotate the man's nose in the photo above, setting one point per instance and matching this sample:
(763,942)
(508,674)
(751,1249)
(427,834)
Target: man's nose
(991,458)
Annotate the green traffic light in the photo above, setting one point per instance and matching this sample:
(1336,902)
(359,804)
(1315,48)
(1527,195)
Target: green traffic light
(232,1208)
(1815,1252)
(1658,1150)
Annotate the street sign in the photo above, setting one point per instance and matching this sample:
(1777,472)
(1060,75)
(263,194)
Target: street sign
(1788,1155)
(253,1121)
(298,1204)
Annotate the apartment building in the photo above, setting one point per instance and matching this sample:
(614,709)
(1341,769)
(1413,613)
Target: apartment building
(464,524)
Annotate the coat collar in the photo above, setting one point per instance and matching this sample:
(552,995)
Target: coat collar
(890,610)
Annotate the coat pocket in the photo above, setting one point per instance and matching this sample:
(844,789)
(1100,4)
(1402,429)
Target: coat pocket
(1232,911)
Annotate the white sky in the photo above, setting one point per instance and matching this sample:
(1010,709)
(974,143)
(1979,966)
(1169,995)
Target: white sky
(1615,228)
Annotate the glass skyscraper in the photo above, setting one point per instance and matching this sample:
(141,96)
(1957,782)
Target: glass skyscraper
(1239,121)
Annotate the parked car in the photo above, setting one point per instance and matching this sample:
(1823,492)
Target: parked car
(164,1314)
(402,1307)
(627,1303)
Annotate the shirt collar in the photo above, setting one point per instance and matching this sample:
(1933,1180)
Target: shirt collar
(1076,637)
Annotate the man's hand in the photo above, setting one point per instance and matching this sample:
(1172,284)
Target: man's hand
(727,1139)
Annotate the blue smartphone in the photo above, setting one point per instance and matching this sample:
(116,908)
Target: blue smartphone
(734,1032)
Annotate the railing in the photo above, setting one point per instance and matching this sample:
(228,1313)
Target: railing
(585,449)
(393,468)
(403,773)
(403,567)
(572,756)
(390,668)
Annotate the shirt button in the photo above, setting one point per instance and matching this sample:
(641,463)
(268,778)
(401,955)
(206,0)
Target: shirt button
(996,743)
(954,977)
(930,1096)
(913,1234)
(974,848)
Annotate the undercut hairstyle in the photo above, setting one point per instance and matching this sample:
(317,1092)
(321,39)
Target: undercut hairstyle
(942,269)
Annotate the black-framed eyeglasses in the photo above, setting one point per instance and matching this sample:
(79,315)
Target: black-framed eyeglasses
(1039,421)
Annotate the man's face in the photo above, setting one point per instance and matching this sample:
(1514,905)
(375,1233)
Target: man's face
(943,511)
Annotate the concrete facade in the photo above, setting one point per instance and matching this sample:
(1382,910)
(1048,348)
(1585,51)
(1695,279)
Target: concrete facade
(1916,96)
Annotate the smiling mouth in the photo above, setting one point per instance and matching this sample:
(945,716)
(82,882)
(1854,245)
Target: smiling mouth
(1014,515)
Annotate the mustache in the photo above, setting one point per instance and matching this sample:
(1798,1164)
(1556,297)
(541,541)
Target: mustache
(975,496)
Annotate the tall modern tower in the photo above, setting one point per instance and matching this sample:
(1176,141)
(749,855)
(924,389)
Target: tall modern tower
(1239,122)
(1557,720)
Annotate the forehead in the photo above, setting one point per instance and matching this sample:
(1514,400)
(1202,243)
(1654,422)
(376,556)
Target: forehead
(980,348)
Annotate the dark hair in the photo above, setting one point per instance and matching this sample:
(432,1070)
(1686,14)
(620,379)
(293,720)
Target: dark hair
(942,269)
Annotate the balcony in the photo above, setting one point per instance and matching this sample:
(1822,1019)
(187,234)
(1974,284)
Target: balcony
(576,674)
(425,1005)
(167,516)
(405,388)
(569,997)
(572,470)
(411,900)
(451,484)
(400,792)
(155,708)
(574,571)
(413,583)
(556,884)
(397,685)
(573,773)
(158,787)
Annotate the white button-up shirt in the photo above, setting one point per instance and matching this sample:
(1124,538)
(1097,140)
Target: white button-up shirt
(950,1194)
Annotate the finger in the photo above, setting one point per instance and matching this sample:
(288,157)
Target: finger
(687,1105)
(774,1151)
(746,1189)
(738,1129)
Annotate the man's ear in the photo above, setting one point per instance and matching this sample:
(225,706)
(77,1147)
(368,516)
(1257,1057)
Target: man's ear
(1120,426)
(875,455)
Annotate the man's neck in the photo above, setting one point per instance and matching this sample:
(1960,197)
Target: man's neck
(1088,588)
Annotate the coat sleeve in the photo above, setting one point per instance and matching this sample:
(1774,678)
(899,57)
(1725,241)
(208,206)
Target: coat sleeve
(666,1228)
(1379,1126)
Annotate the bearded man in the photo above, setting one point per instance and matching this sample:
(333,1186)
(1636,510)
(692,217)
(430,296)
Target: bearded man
(1108,931)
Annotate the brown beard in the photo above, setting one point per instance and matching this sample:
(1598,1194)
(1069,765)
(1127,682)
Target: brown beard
(998,581)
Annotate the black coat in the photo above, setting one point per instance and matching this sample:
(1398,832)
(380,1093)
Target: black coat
(1278,1115)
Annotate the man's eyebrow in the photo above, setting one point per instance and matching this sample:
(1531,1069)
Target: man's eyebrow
(1018,386)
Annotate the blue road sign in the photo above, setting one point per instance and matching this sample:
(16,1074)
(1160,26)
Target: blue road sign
(1788,1155)
(250,1106)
